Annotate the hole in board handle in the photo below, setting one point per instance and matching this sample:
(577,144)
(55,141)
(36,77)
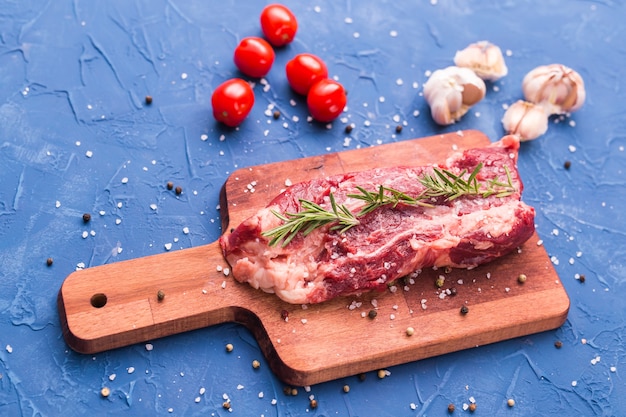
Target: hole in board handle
(98,300)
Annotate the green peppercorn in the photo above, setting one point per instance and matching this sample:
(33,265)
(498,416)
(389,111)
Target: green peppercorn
(440,281)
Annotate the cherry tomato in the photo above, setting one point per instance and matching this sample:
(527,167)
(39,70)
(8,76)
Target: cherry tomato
(326,100)
(303,71)
(279,24)
(232,101)
(254,57)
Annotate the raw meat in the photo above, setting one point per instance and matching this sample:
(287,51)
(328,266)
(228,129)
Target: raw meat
(390,242)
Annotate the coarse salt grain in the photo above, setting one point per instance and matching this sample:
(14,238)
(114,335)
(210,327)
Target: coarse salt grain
(167,246)
(112,377)
(9,349)
(130,370)
(149,347)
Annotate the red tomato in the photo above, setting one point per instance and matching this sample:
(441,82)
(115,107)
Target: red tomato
(254,57)
(279,24)
(303,71)
(232,101)
(326,100)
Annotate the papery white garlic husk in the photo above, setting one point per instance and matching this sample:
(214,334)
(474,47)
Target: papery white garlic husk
(484,58)
(526,120)
(556,87)
(450,92)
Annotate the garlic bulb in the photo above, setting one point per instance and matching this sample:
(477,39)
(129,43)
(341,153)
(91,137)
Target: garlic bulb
(556,87)
(526,120)
(450,93)
(484,58)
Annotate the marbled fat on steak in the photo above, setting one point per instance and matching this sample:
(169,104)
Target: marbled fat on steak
(389,242)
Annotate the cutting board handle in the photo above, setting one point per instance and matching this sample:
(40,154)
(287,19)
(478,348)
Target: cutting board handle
(118,304)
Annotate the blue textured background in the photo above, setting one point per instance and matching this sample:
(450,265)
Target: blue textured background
(73,77)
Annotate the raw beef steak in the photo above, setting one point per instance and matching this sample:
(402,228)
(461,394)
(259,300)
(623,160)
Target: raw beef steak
(389,242)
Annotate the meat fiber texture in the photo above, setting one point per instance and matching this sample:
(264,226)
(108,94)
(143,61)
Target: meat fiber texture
(390,242)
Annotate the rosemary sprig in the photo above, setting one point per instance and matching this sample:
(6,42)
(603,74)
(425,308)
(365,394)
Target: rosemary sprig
(442,183)
(311,217)
(452,186)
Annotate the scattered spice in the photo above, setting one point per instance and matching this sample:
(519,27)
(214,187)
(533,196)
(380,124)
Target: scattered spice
(372,314)
(276,114)
(287,390)
(581,278)
(472,407)
(226,404)
(362,376)
(170,185)
(229,347)
(313,403)
(346,388)
(49,261)
(256,364)
(349,128)
(440,281)
(410,331)
(521,278)
(382,373)
(160,295)
(294,392)
(284,314)
(178,190)
(398,128)
(567,164)
(558,344)
(464,310)
(148,100)
(510,402)
(105,392)
(453,291)
(451,408)
(86,217)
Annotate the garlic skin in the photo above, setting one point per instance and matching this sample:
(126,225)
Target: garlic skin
(450,92)
(484,58)
(525,120)
(556,87)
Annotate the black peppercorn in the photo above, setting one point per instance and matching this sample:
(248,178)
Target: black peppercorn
(86,217)
(581,278)
(372,314)
(148,100)
(349,128)
(276,114)
(558,344)
(160,295)
(178,190)
(451,408)
(49,261)
(398,128)
(567,164)
(464,310)
(170,185)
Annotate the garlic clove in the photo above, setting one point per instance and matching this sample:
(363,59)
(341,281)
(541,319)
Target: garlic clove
(526,120)
(556,87)
(484,58)
(450,92)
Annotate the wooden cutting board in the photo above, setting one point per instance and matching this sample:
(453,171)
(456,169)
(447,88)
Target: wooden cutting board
(115,305)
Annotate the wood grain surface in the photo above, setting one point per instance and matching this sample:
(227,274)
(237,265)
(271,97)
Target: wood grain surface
(117,304)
